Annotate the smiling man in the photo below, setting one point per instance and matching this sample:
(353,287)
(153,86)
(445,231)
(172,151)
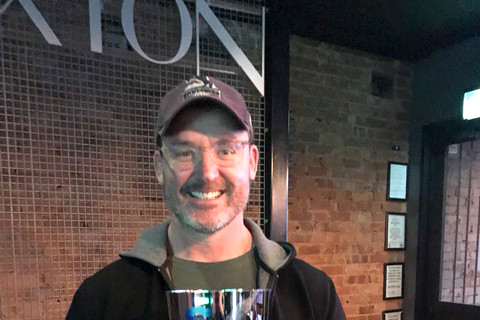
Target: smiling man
(205,160)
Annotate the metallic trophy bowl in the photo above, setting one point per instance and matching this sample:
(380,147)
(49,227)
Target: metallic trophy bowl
(228,304)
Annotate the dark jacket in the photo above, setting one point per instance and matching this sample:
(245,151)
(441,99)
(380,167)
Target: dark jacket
(134,286)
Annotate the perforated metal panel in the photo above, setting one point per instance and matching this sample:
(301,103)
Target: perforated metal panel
(76,137)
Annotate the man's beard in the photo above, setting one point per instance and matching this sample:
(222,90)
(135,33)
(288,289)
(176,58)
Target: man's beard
(202,221)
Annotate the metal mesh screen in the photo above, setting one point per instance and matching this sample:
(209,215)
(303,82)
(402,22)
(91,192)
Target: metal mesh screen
(460,277)
(76,137)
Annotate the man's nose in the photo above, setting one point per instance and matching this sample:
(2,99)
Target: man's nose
(208,166)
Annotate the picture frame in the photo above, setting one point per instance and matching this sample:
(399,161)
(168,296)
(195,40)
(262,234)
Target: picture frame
(395,231)
(397,176)
(393,280)
(392,314)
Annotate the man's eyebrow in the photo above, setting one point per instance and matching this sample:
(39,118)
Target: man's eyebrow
(225,140)
(229,139)
(228,142)
(180,142)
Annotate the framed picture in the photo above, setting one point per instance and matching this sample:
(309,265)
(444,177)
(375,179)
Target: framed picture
(397,181)
(395,230)
(393,281)
(392,315)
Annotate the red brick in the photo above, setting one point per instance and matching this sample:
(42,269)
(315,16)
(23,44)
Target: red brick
(321,215)
(309,249)
(366,309)
(299,237)
(315,171)
(333,270)
(304,215)
(358,318)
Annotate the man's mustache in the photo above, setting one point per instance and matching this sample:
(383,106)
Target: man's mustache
(201,185)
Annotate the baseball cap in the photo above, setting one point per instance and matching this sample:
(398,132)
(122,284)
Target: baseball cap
(202,88)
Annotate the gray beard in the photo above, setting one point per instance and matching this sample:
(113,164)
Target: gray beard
(191,223)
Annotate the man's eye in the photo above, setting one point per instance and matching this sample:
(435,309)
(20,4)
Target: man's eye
(226,151)
(183,154)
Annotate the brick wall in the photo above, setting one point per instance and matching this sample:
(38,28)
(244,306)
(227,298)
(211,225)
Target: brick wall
(341,137)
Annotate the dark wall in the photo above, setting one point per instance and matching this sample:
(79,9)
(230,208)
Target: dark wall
(438,87)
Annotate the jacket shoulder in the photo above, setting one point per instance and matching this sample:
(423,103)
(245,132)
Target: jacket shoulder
(119,272)
(310,277)
(310,271)
(123,268)
(313,288)
(111,283)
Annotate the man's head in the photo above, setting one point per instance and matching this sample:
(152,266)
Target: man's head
(196,90)
(204,156)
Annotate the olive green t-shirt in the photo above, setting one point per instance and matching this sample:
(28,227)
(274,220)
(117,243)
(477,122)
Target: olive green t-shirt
(240,272)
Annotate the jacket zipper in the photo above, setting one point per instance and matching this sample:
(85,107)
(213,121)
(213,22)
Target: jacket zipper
(275,277)
(166,277)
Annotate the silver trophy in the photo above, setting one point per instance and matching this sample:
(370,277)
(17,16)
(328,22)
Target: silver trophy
(228,304)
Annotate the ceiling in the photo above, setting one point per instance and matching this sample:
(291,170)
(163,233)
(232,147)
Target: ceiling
(407,30)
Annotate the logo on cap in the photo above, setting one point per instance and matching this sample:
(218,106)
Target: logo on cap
(200,86)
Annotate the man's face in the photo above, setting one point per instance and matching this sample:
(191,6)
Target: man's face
(209,195)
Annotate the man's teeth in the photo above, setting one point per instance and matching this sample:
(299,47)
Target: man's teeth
(206,195)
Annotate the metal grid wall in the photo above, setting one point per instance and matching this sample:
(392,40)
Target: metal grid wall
(460,279)
(76,138)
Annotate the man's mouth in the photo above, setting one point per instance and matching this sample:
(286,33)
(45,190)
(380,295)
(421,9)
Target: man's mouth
(206,195)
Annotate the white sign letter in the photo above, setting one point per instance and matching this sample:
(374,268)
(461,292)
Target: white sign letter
(95,10)
(230,45)
(37,19)
(129,29)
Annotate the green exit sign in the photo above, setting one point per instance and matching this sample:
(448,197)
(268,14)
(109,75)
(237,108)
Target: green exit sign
(471,104)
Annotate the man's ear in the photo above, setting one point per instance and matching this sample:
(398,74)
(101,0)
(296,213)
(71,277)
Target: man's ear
(253,159)
(157,162)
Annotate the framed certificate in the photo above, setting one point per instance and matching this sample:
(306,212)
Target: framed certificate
(397,181)
(395,230)
(392,315)
(393,281)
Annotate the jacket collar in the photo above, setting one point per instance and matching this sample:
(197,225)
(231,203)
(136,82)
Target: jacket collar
(151,247)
